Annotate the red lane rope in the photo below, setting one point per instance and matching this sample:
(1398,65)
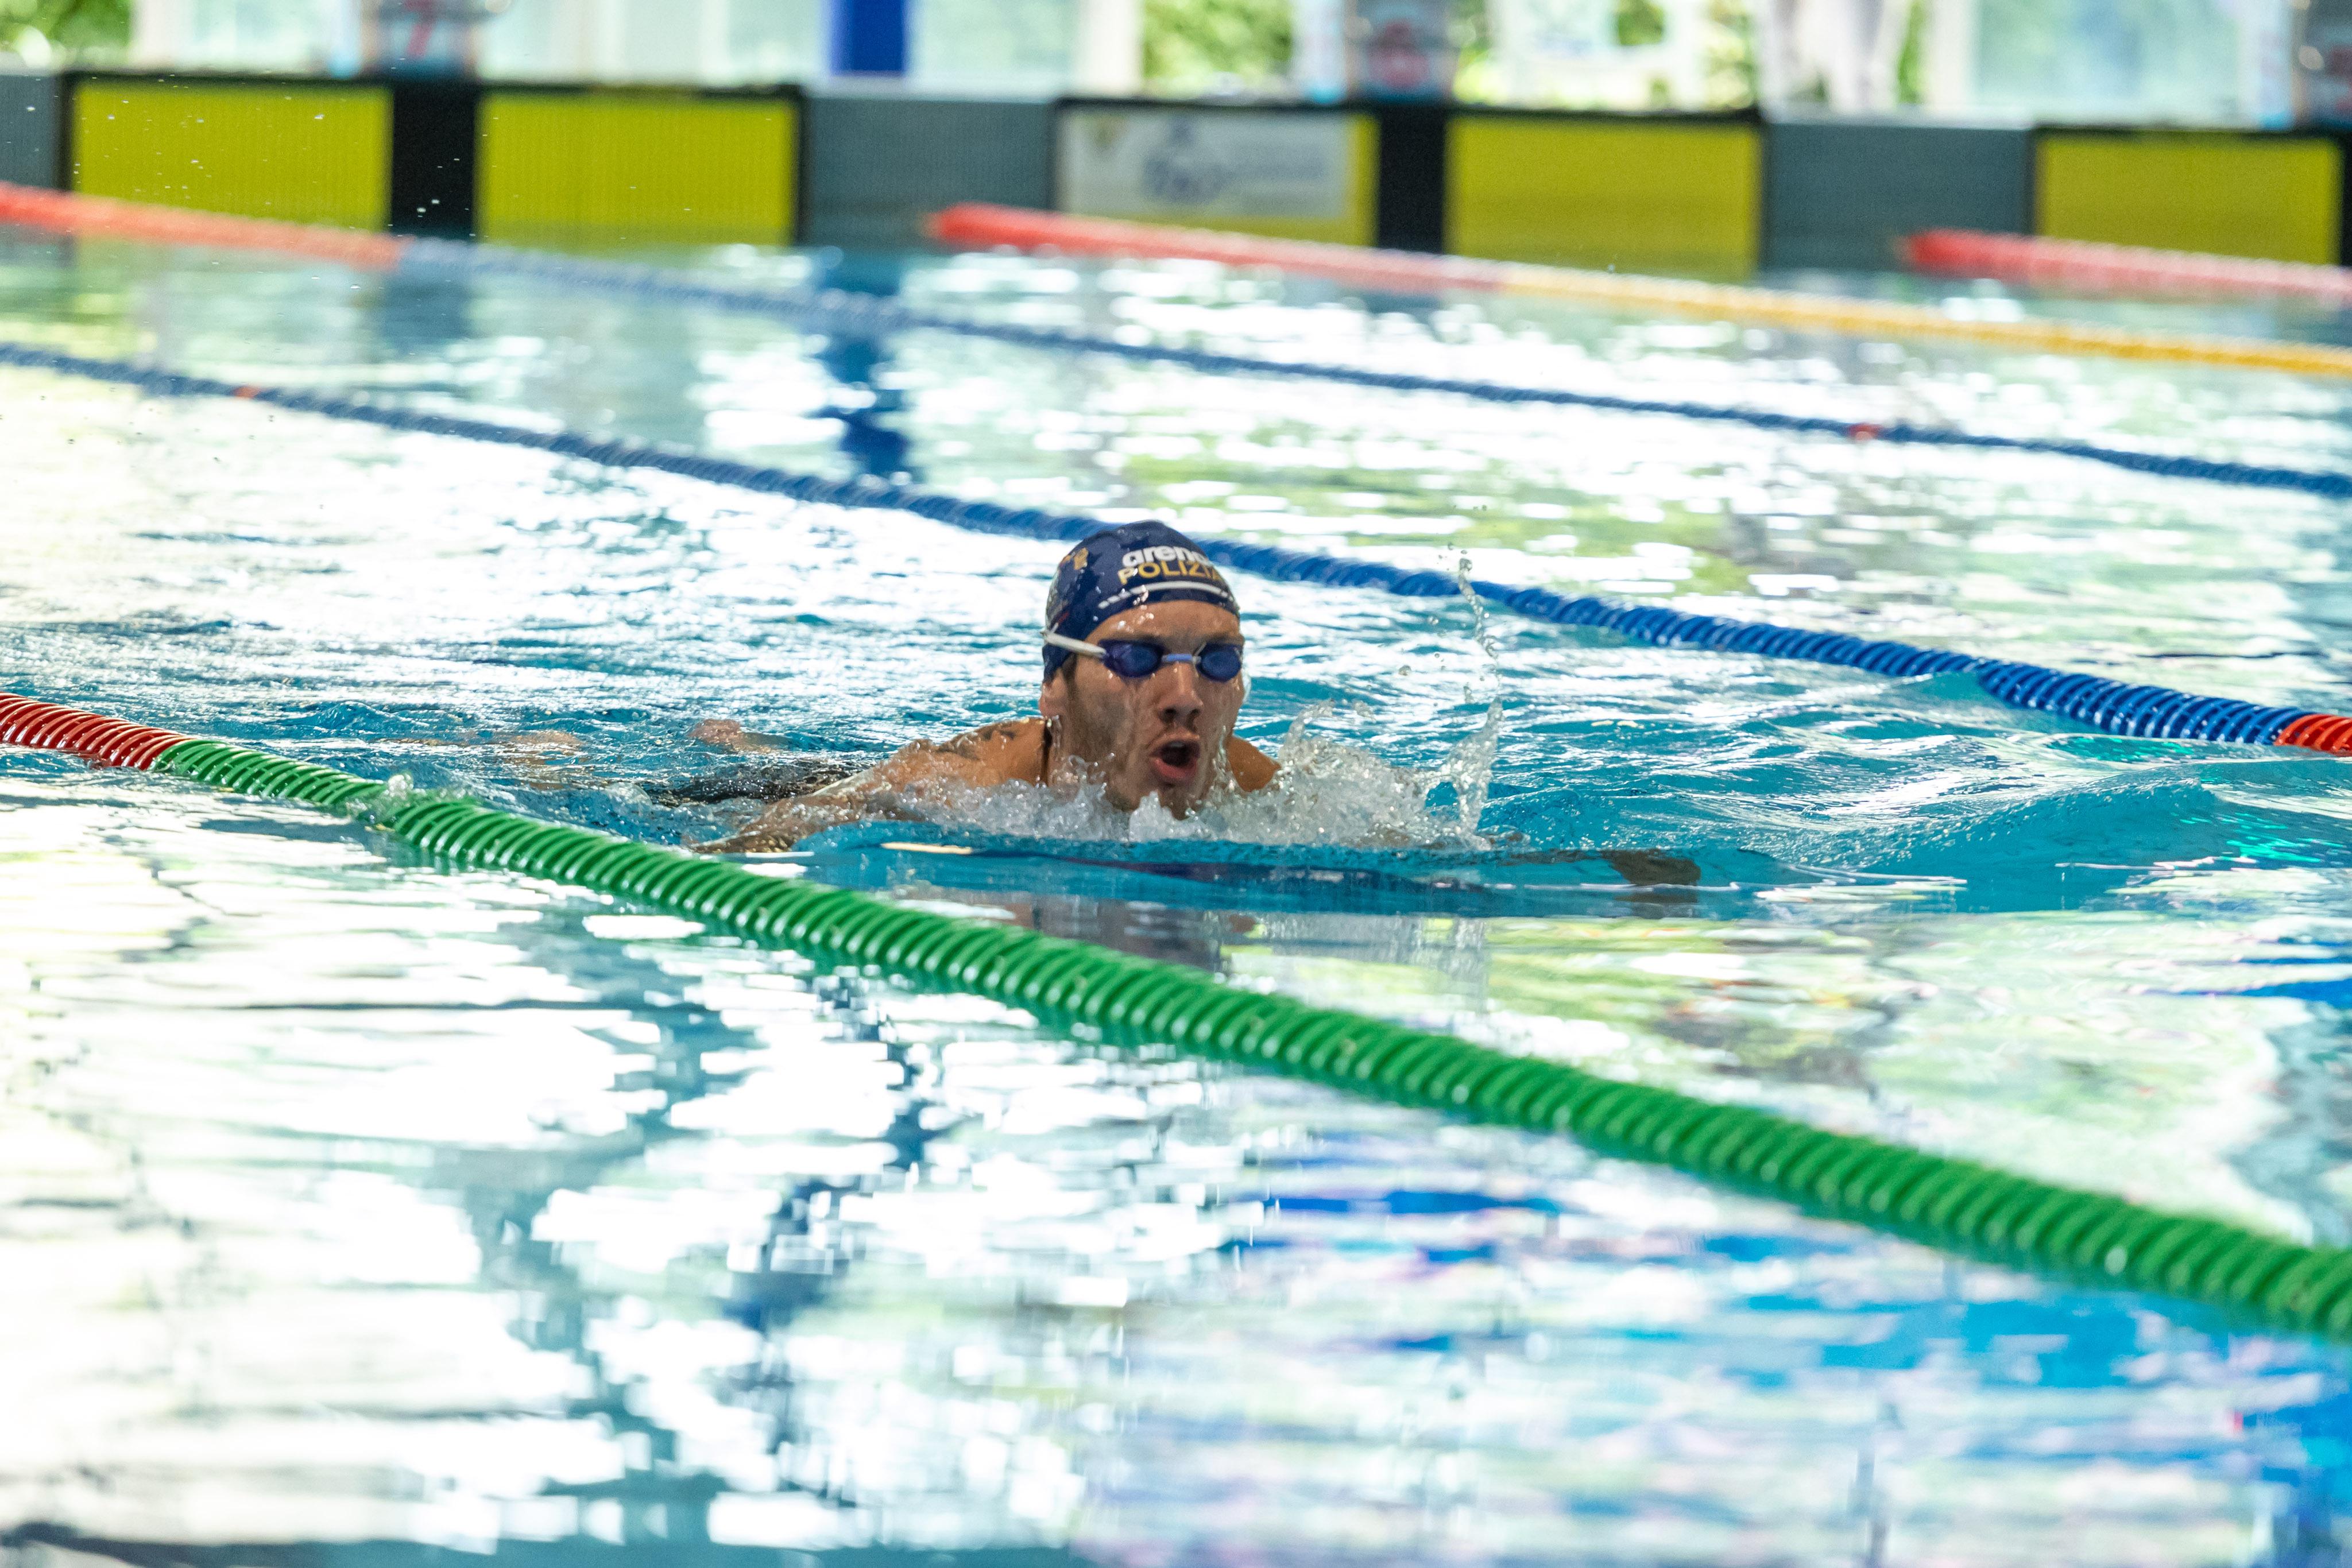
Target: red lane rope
(62,212)
(113,741)
(2021,258)
(2318,732)
(982,223)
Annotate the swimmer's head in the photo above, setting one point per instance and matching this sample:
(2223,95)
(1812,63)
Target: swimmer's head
(1143,664)
(1126,569)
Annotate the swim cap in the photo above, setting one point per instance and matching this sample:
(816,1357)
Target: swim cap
(1120,568)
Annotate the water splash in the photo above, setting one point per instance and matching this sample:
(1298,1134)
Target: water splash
(1481,631)
(1328,792)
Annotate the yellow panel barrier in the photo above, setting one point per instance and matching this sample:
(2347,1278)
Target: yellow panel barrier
(306,154)
(636,165)
(1278,173)
(1682,197)
(2278,198)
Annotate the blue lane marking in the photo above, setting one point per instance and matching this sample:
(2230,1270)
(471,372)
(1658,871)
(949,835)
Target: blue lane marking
(834,311)
(2093,700)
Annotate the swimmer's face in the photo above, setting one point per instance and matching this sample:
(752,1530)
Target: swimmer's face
(1164,735)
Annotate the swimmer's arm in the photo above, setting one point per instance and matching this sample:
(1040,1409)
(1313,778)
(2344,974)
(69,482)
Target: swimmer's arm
(889,791)
(878,794)
(787,823)
(1247,766)
(998,753)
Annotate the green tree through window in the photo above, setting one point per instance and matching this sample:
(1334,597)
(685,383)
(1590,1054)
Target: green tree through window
(1194,46)
(73,25)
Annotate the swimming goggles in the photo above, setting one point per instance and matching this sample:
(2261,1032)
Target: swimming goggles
(1219,662)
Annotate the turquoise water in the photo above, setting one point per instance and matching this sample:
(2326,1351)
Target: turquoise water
(360,1208)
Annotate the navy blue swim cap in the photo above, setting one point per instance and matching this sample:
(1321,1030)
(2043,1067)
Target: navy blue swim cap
(1121,568)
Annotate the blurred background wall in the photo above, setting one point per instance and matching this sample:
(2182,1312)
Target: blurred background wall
(2197,62)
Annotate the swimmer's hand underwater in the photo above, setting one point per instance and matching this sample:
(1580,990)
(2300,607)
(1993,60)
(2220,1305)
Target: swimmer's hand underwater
(1142,685)
(726,735)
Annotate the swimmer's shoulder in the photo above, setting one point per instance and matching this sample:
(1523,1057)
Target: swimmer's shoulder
(1247,766)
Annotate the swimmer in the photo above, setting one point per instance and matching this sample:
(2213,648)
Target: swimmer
(1143,652)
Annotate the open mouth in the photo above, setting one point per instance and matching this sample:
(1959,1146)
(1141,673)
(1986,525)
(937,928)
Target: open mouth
(1176,763)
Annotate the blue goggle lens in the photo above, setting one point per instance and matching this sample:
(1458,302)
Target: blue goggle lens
(1218,661)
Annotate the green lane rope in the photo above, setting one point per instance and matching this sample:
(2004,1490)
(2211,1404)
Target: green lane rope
(1953,1205)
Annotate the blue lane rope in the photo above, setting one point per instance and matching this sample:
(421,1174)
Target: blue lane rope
(2093,700)
(832,311)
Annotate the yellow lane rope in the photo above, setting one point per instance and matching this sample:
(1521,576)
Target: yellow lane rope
(1873,317)
(981,223)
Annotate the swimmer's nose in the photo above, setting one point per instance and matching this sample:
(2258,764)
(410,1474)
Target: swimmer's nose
(1179,698)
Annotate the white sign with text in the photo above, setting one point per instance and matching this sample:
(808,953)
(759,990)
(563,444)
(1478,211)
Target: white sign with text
(1179,163)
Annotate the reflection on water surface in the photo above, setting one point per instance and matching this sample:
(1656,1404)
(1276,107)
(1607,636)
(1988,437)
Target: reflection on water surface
(359,1209)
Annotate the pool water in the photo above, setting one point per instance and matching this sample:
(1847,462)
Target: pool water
(356,1209)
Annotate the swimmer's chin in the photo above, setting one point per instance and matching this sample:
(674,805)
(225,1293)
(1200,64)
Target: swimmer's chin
(1179,777)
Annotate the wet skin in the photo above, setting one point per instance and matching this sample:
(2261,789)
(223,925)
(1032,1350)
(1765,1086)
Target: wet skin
(1168,737)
